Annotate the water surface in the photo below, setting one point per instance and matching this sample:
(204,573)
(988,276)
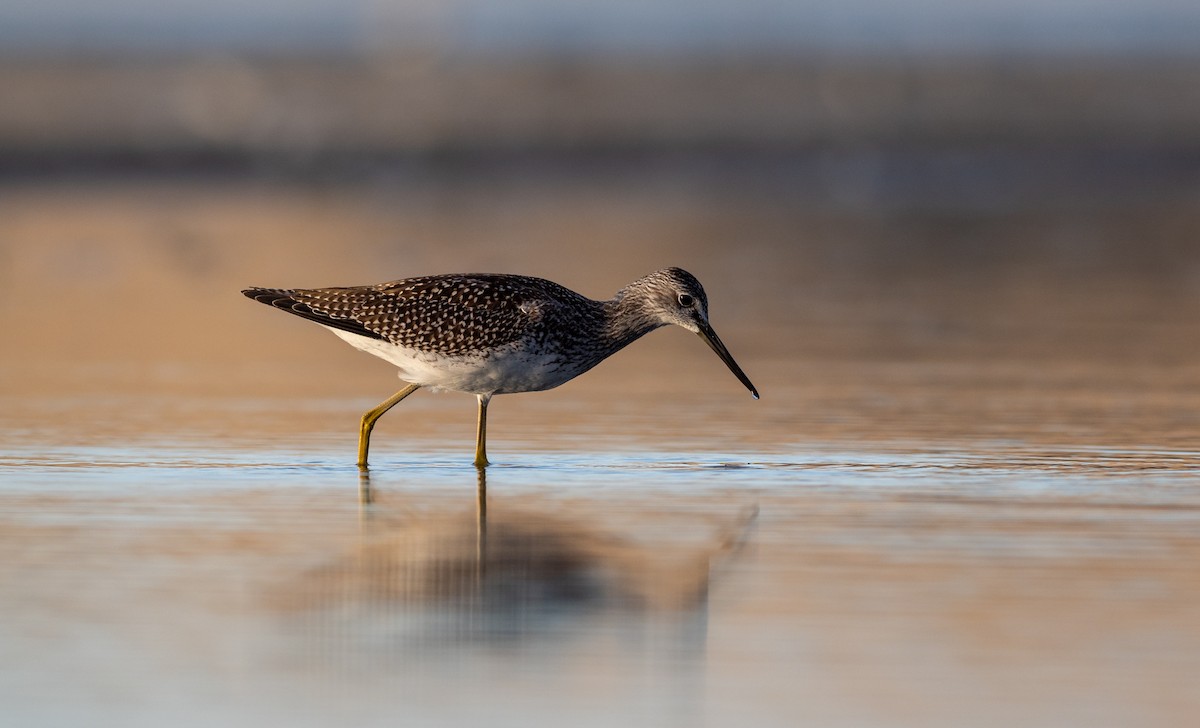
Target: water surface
(887,585)
(968,495)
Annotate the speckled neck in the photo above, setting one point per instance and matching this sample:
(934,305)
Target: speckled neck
(628,316)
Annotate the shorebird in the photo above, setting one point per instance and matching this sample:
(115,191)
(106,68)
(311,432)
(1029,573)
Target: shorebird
(488,334)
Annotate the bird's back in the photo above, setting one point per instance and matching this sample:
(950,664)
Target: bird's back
(448,315)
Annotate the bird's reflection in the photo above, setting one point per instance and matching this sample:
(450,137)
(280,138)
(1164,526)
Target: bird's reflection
(510,573)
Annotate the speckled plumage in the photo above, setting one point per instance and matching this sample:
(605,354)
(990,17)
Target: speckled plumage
(452,315)
(489,334)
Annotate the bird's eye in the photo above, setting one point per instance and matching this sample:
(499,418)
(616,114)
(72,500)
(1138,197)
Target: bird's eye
(685,300)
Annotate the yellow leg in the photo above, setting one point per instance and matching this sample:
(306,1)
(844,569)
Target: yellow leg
(481,460)
(368,421)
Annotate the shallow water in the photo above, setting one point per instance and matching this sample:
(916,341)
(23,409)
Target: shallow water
(202,585)
(969,495)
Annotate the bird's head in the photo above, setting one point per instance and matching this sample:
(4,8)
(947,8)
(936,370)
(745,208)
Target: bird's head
(674,296)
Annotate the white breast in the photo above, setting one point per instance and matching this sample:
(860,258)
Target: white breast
(506,370)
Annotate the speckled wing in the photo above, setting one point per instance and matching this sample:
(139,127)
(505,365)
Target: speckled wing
(451,315)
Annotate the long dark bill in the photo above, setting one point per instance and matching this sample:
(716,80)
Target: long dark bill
(710,337)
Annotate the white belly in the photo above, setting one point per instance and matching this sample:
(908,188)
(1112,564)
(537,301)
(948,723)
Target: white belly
(503,371)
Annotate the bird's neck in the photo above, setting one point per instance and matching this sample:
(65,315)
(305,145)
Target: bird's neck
(627,319)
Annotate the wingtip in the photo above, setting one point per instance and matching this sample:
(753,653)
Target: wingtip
(263,295)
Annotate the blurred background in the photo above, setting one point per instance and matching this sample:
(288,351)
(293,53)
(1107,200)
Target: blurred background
(1001,183)
(953,243)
